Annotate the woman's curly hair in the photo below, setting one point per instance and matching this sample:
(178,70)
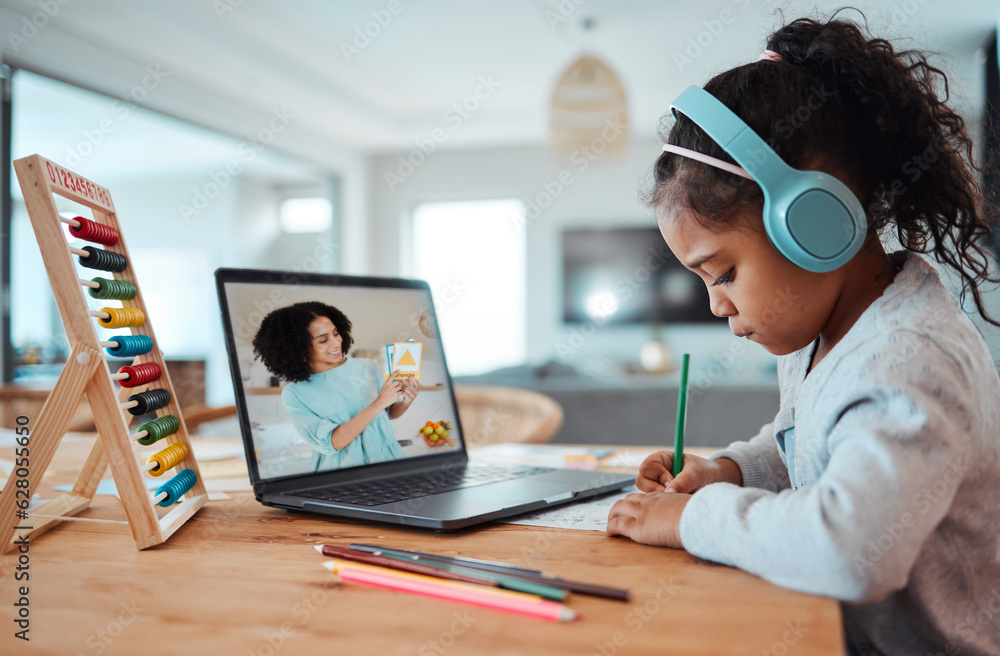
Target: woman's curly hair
(283,342)
(855,106)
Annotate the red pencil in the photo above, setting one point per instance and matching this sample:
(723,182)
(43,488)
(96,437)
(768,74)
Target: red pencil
(401,565)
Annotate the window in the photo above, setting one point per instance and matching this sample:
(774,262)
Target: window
(473,256)
(306,214)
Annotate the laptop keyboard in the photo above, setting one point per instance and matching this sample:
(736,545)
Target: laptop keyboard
(411,486)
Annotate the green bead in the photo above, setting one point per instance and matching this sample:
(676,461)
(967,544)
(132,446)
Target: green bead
(121,290)
(157,429)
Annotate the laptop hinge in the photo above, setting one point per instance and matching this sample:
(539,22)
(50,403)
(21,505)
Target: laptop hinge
(358,474)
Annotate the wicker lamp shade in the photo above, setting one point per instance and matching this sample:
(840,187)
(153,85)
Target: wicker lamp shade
(587,101)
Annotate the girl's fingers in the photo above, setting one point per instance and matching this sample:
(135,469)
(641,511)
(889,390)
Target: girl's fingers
(648,485)
(620,519)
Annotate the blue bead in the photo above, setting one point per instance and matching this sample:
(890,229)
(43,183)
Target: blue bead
(176,487)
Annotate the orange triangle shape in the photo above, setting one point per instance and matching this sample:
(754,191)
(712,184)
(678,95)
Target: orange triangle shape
(407,359)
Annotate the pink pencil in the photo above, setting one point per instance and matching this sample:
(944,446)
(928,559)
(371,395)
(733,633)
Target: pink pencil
(512,602)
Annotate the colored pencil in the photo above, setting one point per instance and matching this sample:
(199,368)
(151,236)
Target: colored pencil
(682,400)
(488,590)
(402,565)
(500,568)
(506,581)
(555,582)
(512,602)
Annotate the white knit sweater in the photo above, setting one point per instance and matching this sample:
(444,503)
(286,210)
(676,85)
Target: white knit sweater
(878,483)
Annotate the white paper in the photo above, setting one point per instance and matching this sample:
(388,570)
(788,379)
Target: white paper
(583,516)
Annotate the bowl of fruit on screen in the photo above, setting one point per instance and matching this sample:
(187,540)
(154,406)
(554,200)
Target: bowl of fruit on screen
(436,433)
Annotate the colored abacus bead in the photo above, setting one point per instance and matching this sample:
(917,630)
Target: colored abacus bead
(89,230)
(119,317)
(128,345)
(96,258)
(148,401)
(167,458)
(120,290)
(168,493)
(138,374)
(157,429)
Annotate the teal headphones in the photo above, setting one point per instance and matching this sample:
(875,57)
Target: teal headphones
(811,218)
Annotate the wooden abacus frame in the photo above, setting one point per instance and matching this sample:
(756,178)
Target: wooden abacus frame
(87,372)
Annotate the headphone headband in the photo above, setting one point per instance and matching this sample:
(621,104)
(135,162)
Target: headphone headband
(732,134)
(811,217)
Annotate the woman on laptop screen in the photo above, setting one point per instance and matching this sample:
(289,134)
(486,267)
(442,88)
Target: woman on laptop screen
(339,405)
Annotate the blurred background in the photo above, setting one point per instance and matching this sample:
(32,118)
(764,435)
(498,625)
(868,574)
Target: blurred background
(497,150)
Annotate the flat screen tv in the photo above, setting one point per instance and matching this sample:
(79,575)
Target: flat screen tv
(628,275)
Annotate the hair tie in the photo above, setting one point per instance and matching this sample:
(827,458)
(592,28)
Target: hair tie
(770,55)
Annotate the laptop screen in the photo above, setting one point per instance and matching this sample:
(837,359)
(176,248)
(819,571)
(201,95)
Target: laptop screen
(310,356)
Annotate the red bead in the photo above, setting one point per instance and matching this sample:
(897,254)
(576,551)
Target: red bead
(93,231)
(139,374)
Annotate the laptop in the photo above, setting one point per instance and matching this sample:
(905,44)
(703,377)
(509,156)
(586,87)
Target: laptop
(393,471)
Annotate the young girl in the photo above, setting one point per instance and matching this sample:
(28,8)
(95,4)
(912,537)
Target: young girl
(339,405)
(878,482)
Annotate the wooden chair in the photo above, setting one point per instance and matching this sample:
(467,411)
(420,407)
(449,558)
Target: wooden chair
(506,414)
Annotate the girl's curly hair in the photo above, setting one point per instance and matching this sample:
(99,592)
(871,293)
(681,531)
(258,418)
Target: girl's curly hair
(283,342)
(855,106)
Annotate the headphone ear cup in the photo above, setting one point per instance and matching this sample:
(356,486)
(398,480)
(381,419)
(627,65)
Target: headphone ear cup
(818,224)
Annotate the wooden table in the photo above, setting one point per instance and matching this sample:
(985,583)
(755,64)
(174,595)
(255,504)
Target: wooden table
(241,578)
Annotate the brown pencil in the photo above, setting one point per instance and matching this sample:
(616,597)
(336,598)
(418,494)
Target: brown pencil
(401,565)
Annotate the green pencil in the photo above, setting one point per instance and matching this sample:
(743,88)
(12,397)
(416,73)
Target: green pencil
(682,402)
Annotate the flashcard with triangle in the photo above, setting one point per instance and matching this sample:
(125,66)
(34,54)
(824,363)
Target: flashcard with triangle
(406,359)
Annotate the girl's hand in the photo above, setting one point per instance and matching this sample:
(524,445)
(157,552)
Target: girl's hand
(392,389)
(653,518)
(410,390)
(655,473)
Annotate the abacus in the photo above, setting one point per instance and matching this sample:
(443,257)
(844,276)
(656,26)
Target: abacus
(143,386)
